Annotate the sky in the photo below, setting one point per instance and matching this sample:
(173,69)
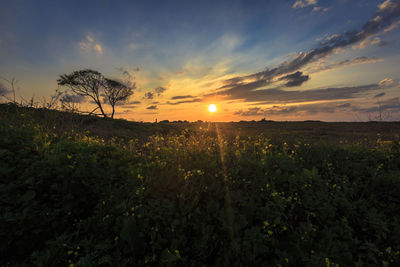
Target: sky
(279,60)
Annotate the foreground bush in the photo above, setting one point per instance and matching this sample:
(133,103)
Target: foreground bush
(195,199)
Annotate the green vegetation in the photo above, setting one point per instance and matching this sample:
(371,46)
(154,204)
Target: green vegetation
(84,191)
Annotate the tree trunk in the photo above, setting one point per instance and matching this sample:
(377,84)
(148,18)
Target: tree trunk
(101,108)
(113,111)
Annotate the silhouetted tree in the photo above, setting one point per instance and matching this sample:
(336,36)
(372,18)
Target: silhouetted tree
(92,84)
(116,92)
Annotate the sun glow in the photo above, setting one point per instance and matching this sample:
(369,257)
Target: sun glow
(212,108)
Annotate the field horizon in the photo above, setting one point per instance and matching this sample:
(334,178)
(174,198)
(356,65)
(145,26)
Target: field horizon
(80,190)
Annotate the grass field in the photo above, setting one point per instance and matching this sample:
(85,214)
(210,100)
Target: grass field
(84,191)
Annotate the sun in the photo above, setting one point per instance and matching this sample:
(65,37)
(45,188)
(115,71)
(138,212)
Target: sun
(212,108)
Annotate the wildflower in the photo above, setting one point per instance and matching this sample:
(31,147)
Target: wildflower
(327,262)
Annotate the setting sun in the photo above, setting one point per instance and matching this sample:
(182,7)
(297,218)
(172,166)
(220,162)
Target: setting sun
(212,108)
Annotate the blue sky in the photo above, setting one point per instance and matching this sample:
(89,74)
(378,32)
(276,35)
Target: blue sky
(198,48)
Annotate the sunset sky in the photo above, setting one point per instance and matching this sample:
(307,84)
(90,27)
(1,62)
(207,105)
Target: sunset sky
(285,60)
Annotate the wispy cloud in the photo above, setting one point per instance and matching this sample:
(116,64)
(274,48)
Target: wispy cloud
(90,45)
(128,104)
(3,90)
(384,108)
(379,95)
(319,67)
(181,97)
(319,9)
(294,79)
(271,96)
(158,91)
(128,77)
(72,98)
(148,95)
(153,107)
(388,4)
(304,109)
(391,105)
(184,101)
(392,27)
(370,41)
(244,87)
(304,3)
(386,82)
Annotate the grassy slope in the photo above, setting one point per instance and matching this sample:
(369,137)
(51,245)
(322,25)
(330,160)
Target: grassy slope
(96,192)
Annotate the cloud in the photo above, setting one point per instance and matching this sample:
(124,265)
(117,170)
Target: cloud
(386,82)
(127,104)
(380,95)
(392,27)
(306,109)
(184,101)
(391,105)
(98,49)
(3,90)
(72,98)
(152,107)
(304,3)
(386,108)
(159,90)
(295,79)
(148,95)
(244,86)
(320,9)
(388,4)
(181,97)
(90,44)
(276,95)
(376,41)
(128,77)
(250,112)
(343,63)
